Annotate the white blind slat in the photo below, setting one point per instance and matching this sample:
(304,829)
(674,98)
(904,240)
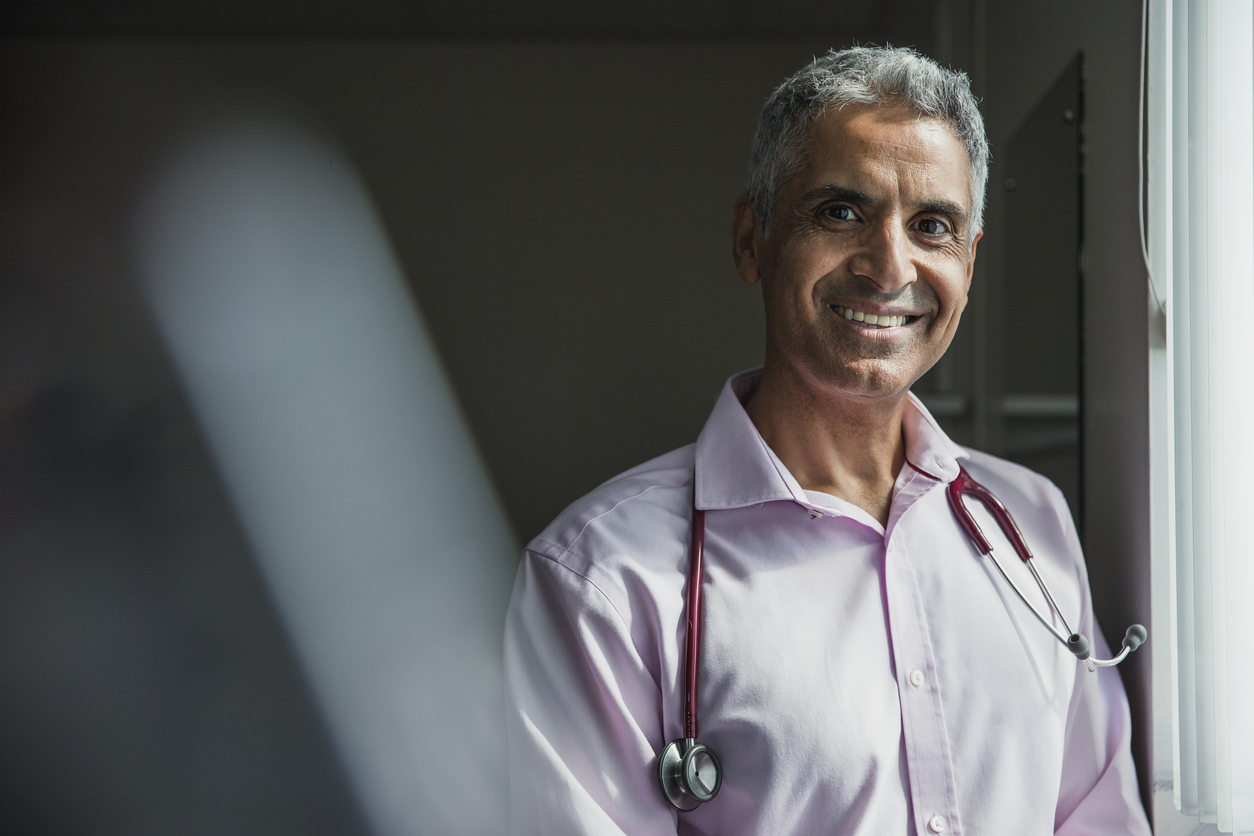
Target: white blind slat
(1201,254)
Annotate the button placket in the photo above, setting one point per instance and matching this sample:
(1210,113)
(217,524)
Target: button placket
(927,752)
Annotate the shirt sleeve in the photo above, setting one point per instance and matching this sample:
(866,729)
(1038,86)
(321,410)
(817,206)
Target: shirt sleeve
(1098,795)
(583,710)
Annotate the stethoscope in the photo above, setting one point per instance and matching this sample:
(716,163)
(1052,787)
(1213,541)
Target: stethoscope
(690,773)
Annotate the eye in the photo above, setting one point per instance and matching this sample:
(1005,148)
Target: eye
(932,226)
(839,213)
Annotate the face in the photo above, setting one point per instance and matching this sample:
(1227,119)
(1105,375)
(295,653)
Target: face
(873,229)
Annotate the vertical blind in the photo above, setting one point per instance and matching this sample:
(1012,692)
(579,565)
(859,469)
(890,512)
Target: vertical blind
(1200,251)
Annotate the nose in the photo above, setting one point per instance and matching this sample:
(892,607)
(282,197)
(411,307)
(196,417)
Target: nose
(884,256)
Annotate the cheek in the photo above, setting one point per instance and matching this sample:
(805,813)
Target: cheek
(952,302)
(794,279)
(952,284)
(960,299)
(808,252)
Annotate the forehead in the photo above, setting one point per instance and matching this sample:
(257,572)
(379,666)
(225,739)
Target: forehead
(875,147)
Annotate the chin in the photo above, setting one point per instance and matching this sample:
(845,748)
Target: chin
(868,386)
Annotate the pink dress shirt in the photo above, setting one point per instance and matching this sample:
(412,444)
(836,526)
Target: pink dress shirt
(855,678)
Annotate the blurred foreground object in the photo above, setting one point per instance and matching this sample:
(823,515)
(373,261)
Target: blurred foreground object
(347,460)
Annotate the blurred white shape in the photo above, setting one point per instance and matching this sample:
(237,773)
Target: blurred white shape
(349,464)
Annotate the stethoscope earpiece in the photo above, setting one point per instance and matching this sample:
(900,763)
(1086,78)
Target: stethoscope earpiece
(690,774)
(1078,645)
(1135,637)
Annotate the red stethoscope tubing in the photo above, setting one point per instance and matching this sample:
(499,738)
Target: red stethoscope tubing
(694,620)
(964,484)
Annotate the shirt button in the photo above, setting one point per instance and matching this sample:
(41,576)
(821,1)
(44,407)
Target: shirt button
(937,823)
(916,679)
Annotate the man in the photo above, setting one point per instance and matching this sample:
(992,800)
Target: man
(863,669)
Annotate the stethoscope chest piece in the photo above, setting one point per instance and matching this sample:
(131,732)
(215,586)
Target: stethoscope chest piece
(690,774)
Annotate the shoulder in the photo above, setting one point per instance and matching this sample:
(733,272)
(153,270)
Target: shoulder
(635,524)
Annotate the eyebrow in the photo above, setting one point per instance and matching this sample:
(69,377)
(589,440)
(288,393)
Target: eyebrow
(831,192)
(946,207)
(935,207)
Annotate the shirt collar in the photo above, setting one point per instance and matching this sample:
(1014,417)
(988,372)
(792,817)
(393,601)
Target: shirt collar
(735,467)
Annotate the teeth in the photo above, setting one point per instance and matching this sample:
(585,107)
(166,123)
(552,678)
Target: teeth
(882,321)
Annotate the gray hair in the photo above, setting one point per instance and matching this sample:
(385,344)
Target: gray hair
(892,76)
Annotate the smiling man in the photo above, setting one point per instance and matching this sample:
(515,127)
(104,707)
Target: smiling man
(860,667)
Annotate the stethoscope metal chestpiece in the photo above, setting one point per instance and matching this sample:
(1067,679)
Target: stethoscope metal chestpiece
(690,774)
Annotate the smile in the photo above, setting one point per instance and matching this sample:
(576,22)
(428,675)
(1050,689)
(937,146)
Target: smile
(879,321)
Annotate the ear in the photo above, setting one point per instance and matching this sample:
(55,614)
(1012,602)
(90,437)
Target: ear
(746,238)
(971,256)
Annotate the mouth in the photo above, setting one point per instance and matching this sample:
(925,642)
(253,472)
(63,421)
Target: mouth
(870,320)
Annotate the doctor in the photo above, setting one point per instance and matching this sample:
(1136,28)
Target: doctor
(862,668)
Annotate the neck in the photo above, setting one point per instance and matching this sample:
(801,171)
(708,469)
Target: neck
(847,448)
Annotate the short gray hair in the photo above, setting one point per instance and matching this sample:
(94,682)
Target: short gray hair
(891,76)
